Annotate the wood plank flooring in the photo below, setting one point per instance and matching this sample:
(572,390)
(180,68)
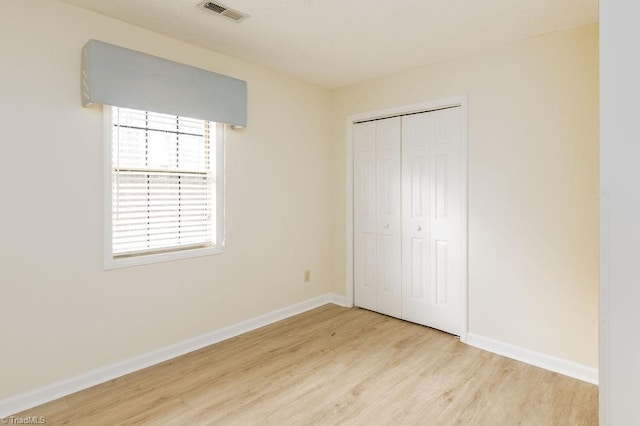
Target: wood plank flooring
(332,366)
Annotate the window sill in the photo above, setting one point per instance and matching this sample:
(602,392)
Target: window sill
(110,263)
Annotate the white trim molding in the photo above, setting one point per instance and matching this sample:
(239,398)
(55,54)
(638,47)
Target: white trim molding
(538,359)
(461,101)
(339,300)
(24,401)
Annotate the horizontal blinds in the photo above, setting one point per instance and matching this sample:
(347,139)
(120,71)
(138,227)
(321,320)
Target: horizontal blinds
(113,75)
(163,182)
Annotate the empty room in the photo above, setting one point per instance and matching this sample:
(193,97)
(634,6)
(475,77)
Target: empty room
(319,212)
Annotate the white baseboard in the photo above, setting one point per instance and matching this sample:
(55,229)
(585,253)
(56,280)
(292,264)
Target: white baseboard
(548,362)
(336,299)
(66,387)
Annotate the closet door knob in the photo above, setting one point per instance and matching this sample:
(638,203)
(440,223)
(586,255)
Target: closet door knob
(419,228)
(386,225)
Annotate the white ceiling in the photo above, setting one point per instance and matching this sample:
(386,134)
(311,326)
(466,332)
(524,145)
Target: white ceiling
(339,42)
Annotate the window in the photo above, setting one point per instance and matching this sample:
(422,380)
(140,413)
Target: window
(164,187)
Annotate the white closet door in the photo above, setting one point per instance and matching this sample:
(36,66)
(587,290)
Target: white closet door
(432,219)
(364,211)
(389,286)
(377,219)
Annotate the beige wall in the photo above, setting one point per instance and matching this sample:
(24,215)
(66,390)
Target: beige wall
(61,313)
(533,184)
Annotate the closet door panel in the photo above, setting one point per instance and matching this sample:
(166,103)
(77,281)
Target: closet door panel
(365,220)
(445,221)
(415,207)
(388,138)
(431,164)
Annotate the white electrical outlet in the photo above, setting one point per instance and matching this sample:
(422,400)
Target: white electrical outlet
(307,275)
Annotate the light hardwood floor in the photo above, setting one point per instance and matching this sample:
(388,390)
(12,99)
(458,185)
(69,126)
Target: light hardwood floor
(331,366)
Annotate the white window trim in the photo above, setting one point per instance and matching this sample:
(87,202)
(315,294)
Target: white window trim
(109,261)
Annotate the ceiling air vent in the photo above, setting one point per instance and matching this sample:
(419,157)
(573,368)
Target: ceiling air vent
(222,10)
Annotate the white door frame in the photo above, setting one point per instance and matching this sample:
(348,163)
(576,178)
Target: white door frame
(460,101)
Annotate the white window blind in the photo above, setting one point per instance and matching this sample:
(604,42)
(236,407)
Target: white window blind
(163,183)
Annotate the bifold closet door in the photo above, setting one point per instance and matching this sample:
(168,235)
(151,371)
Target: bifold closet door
(432,219)
(377,219)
